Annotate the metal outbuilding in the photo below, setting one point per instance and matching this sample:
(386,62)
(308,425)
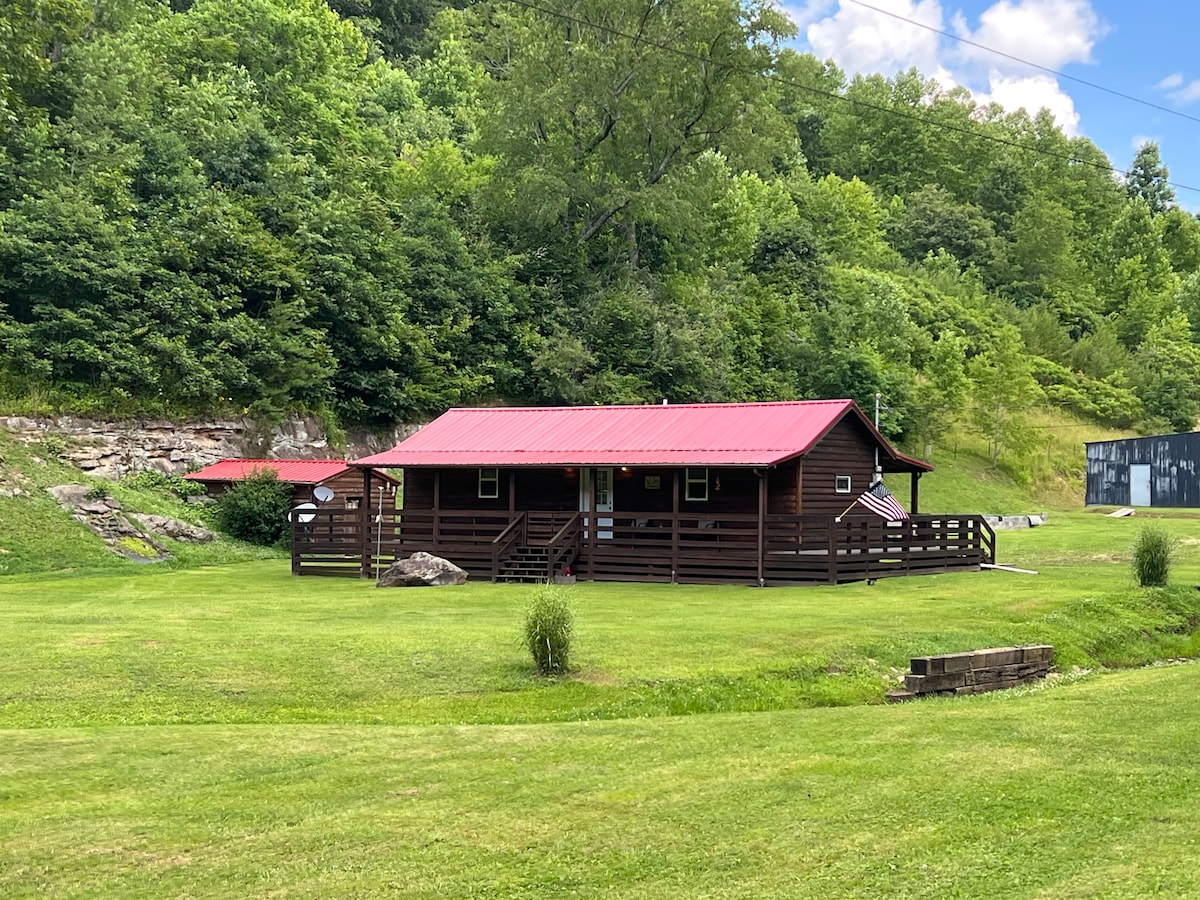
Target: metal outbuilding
(1160,470)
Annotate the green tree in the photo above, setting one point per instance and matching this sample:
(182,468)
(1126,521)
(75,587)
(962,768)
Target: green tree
(1149,180)
(1003,393)
(589,113)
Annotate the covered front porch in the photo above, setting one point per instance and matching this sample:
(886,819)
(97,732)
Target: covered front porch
(649,546)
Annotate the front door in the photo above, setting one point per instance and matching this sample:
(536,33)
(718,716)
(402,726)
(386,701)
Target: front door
(604,503)
(1139,486)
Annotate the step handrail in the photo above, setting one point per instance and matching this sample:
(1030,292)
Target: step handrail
(565,540)
(503,543)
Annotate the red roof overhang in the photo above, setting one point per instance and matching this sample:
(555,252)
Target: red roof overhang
(292,471)
(711,434)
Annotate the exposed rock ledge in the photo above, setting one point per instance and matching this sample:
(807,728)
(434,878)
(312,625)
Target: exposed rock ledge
(114,449)
(105,516)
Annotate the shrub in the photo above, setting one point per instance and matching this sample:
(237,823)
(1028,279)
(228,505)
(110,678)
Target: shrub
(160,482)
(256,510)
(549,625)
(1152,555)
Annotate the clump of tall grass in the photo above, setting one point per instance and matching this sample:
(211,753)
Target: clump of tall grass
(1153,552)
(549,627)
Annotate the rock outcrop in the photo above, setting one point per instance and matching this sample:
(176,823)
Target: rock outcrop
(105,516)
(114,449)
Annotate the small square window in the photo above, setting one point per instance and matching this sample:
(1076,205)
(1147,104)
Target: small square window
(695,484)
(489,484)
(353,502)
(842,484)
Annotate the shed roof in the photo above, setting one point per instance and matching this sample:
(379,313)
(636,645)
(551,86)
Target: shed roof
(702,434)
(293,471)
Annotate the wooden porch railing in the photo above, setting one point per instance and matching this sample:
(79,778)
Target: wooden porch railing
(506,541)
(654,546)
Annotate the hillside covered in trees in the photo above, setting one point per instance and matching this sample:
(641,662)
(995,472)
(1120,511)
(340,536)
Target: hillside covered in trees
(375,209)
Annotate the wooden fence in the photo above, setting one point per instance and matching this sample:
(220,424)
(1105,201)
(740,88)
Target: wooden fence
(658,547)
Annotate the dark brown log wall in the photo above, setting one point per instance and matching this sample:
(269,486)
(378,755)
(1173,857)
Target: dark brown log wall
(848,449)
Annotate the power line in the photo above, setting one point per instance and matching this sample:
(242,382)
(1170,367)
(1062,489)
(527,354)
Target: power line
(946,126)
(1030,63)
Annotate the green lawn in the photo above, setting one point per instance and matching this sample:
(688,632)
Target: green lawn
(1088,788)
(235,731)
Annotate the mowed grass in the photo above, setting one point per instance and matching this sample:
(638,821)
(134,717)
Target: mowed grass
(235,731)
(252,644)
(1086,788)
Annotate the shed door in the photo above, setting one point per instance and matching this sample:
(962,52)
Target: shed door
(1139,486)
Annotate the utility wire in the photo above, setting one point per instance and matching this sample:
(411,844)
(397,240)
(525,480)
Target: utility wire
(1026,62)
(945,126)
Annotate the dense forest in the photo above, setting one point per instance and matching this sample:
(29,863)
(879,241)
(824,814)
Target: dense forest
(375,209)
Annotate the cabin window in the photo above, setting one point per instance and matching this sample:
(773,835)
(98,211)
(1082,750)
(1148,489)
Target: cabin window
(489,484)
(695,484)
(842,484)
(353,502)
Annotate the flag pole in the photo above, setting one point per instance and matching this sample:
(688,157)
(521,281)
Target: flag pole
(846,510)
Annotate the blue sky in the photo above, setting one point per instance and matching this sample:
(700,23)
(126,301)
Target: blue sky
(1146,50)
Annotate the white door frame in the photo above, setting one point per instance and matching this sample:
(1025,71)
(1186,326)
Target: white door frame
(598,483)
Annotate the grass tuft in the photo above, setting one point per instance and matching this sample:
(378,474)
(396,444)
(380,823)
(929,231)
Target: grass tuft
(1152,555)
(549,626)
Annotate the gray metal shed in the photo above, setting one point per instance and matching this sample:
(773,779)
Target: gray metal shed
(1160,470)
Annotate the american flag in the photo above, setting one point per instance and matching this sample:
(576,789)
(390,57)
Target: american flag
(879,500)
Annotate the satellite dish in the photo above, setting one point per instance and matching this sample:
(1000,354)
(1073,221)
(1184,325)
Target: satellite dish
(304,513)
(322,494)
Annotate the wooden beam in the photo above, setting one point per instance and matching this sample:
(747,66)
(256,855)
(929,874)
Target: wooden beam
(762,523)
(674,523)
(914,500)
(437,508)
(364,524)
(512,491)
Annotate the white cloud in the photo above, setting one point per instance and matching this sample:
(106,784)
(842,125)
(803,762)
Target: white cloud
(1140,140)
(804,12)
(1173,80)
(1050,33)
(1189,93)
(1033,93)
(863,40)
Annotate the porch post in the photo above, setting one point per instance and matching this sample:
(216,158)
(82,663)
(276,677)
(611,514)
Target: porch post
(512,492)
(913,506)
(674,523)
(762,522)
(831,547)
(437,508)
(591,520)
(364,525)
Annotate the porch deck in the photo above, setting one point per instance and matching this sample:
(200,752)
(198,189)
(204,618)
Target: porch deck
(651,546)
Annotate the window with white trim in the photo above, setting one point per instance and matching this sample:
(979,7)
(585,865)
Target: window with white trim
(695,484)
(489,484)
(842,484)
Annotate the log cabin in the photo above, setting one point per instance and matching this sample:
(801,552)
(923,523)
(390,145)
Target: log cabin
(759,493)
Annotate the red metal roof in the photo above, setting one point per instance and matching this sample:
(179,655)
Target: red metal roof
(708,434)
(293,471)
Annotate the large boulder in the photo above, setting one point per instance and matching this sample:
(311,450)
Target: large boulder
(421,570)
